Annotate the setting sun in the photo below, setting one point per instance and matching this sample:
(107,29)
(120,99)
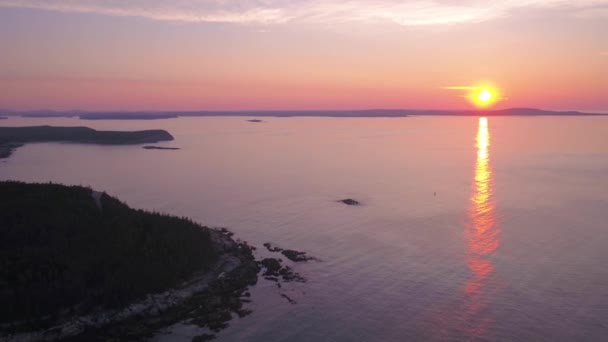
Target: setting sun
(481,95)
(484,96)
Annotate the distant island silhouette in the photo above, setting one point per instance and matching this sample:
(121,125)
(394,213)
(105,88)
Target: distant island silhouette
(14,137)
(368,113)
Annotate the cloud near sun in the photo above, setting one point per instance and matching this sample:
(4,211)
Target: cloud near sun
(267,12)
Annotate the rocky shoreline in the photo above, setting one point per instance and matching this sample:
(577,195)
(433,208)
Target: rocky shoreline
(207,300)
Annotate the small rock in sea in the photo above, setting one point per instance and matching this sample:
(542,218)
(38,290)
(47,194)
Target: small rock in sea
(296,256)
(255,120)
(349,201)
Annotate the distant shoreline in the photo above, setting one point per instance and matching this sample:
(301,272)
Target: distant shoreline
(369,113)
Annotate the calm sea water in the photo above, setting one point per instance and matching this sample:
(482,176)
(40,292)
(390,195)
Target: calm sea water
(471,229)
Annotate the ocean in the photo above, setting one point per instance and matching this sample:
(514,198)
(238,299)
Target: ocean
(470,229)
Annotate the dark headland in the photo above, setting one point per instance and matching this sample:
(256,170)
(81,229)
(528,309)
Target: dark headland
(13,137)
(81,264)
(367,113)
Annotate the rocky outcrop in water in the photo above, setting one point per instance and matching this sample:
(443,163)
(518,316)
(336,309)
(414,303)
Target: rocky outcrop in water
(159,148)
(350,201)
(274,270)
(293,255)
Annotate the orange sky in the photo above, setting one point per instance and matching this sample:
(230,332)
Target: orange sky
(231,55)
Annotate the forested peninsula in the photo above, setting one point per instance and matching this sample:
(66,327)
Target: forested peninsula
(76,263)
(14,137)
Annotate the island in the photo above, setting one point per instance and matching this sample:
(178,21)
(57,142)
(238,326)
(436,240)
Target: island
(13,137)
(79,263)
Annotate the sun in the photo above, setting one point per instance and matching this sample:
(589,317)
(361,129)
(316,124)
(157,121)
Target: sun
(484,97)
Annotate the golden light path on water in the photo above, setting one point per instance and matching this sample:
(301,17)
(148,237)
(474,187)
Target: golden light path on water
(482,236)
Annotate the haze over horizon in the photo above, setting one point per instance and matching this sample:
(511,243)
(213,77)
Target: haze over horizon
(301,55)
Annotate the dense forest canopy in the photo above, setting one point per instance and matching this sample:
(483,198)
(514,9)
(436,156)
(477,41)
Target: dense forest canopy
(60,249)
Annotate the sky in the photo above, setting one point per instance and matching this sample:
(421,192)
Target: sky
(297,54)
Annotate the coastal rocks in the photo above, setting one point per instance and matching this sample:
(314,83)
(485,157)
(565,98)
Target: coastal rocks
(272,266)
(271,248)
(350,201)
(160,148)
(293,255)
(276,271)
(296,256)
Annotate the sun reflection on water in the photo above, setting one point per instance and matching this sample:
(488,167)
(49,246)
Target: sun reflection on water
(482,236)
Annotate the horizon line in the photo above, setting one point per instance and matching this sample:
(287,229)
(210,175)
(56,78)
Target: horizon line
(605,111)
